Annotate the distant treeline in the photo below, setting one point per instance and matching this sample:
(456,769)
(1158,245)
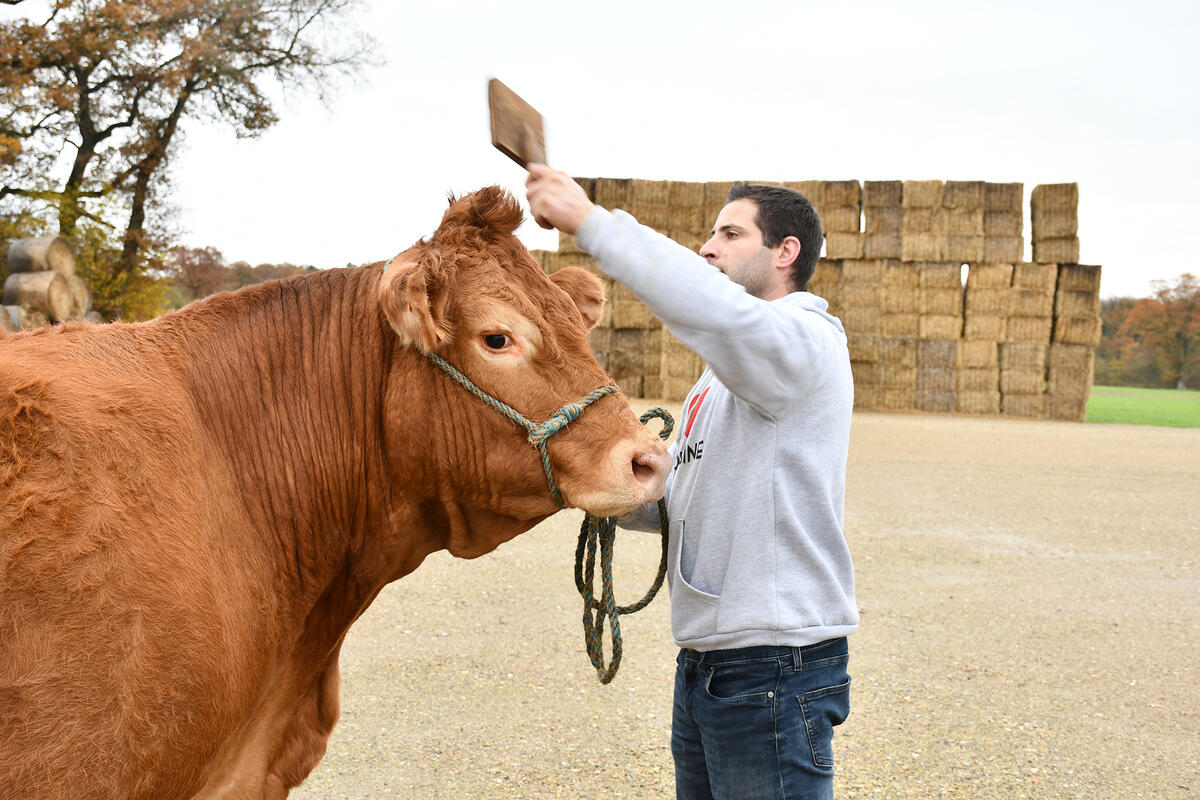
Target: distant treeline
(196,272)
(1152,341)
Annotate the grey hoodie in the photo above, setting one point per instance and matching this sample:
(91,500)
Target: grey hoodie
(755,499)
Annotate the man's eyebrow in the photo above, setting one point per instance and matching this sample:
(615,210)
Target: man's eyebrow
(728,226)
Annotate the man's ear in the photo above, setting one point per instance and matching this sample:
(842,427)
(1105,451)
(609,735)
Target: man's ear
(789,251)
(585,289)
(413,295)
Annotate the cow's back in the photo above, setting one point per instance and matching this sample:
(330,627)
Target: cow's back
(108,620)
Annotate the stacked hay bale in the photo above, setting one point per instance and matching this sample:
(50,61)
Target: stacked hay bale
(899,305)
(1023,379)
(1076,334)
(940,328)
(1003,223)
(986,306)
(860,295)
(1054,212)
(42,286)
(964,204)
(883,212)
(840,207)
(977,377)
(924,231)
(936,374)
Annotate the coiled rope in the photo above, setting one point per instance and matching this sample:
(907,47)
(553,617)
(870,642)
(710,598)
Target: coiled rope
(599,533)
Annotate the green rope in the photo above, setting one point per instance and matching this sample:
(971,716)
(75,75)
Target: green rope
(537,434)
(599,533)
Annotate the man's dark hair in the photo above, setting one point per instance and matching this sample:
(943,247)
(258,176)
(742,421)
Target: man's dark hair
(784,212)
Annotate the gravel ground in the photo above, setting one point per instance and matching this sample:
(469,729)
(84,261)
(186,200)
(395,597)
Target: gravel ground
(1030,596)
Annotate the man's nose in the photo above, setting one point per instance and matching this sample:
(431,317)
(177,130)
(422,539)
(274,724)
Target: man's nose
(708,250)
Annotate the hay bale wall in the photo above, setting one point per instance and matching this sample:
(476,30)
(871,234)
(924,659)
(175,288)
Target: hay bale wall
(42,286)
(942,314)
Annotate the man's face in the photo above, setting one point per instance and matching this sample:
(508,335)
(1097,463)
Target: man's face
(736,248)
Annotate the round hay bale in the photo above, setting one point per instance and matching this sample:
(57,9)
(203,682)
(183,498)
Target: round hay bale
(94,317)
(46,291)
(10,318)
(31,318)
(41,254)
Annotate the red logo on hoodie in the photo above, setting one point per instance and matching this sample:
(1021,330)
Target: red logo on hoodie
(693,409)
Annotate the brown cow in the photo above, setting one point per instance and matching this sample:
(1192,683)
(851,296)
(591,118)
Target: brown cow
(194,510)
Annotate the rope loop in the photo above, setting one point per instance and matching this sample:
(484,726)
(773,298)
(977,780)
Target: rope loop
(599,534)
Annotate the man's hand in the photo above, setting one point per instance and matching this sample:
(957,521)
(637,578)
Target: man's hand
(555,200)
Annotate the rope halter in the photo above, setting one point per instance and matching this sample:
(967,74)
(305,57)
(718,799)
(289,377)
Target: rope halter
(537,433)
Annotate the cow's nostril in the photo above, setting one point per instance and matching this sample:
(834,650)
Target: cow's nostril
(642,473)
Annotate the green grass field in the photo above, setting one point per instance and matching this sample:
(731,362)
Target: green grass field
(1125,404)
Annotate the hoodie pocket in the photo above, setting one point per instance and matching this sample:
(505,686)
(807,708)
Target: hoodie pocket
(693,612)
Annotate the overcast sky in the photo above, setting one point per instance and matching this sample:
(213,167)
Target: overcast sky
(1100,93)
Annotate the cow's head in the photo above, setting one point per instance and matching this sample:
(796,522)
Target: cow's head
(475,296)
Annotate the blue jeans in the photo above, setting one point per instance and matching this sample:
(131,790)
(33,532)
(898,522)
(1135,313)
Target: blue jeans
(756,723)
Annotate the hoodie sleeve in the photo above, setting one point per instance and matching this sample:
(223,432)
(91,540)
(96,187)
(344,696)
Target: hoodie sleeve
(765,352)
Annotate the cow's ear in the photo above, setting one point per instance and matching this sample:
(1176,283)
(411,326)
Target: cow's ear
(413,295)
(585,289)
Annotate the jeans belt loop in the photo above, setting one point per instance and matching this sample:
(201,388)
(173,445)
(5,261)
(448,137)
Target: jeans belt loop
(797,659)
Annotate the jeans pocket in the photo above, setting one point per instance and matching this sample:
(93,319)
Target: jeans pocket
(823,710)
(742,682)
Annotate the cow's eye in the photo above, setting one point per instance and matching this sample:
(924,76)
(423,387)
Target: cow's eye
(496,341)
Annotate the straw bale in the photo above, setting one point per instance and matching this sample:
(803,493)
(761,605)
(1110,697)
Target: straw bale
(925,220)
(902,324)
(1002,223)
(810,189)
(1004,196)
(883,245)
(882,194)
(900,299)
(865,374)
(1022,380)
(631,385)
(653,386)
(1072,359)
(978,379)
(684,365)
(940,275)
(1054,224)
(866,398)
(621,292)
(976,354)
(1063,250)
(985,327)
(828,271)
(989,276)
(940,326)
(1078,277)
(889,219)
(845,245)
(863,271)
(840,219)
(1032,406)
(715,195)
(633,314)
(649,193)
(901,274)
(613,193)
(983,300)
(1077,330)
(924,246)
(861,319)
(963,195)
(626,356)
(940,353)
(960,247)
(864,348)
(685,193)
(862,295)
(1003,249)
(1035,276)
(1054,197)
(1075,303)
(1066,408)
(980,402)
(899,351)
(1023,355)
(947,301)
(966,221)
(897,398)
(1029,329)
(922,194)
(1032,302)
(935,400)
(600,340)
(676,388)
(841,193)
(589,187)
(1069,384)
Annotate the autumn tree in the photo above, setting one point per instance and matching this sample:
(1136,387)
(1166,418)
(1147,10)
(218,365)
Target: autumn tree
(1169,322)
(94,95)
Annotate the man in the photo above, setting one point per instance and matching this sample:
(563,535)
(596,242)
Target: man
(761,582)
